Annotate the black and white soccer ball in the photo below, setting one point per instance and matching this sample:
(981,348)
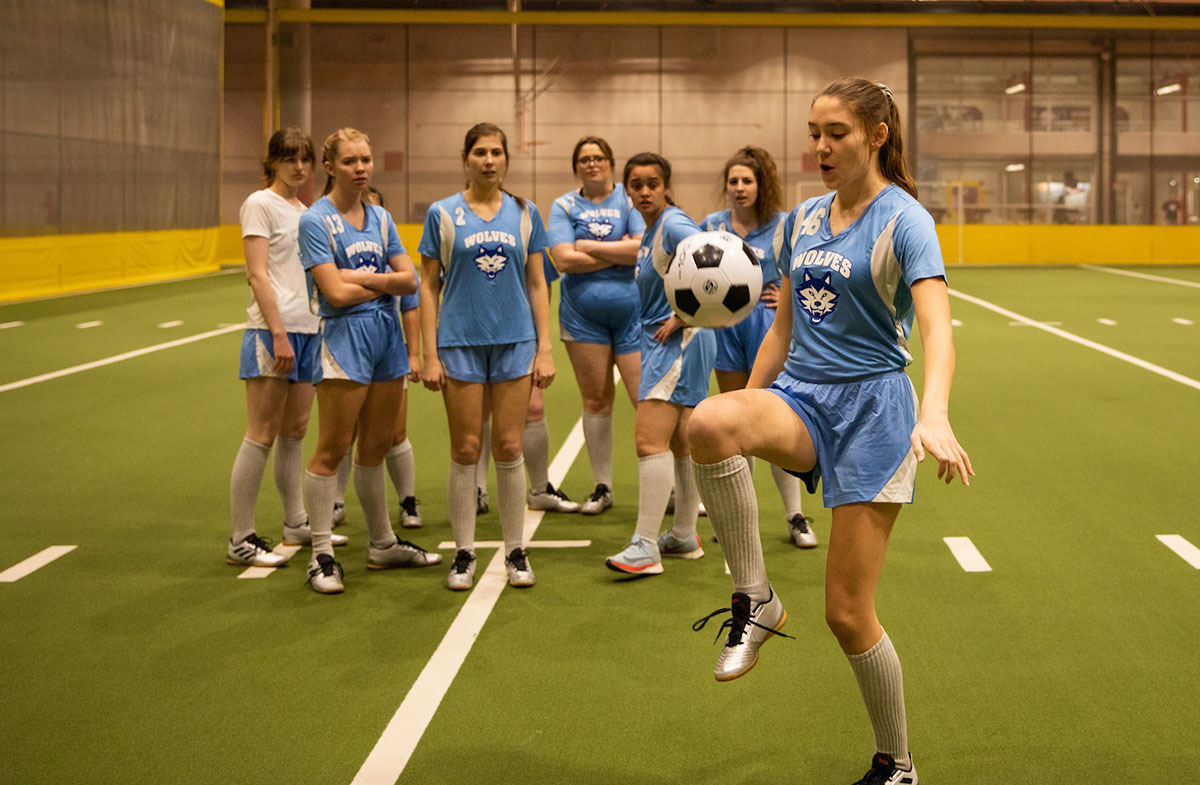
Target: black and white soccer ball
(714,279)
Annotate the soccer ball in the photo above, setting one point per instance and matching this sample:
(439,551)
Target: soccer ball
(714,279)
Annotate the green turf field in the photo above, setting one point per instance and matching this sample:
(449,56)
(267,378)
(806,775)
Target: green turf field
(139,657)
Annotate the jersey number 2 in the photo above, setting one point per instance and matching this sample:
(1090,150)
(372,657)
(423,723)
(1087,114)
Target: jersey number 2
(460,218)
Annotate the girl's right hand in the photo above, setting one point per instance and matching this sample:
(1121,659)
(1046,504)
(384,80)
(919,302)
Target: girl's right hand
(285,358)
(432,375)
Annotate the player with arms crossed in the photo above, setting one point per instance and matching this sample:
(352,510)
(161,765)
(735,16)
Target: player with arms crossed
(828,398)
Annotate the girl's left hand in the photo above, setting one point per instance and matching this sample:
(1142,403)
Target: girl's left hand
(934,434)
(543,370)
(770,296)
(668,328)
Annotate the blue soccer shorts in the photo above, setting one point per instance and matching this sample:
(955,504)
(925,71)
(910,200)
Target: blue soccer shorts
(258,356)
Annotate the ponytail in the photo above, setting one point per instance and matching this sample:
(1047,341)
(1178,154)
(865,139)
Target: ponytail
(872,103)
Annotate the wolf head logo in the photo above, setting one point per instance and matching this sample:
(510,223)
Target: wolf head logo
(491,261)
(368,263)
(600,228)
(817,297)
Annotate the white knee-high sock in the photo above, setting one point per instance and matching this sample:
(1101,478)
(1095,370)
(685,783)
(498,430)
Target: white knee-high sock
(655,473)
(789,490)
(727,489)
(289,472)
(510,493)
(535,446)
(402,467)
(485,454)
(598,435)
(244,482)
(460,496)
(371,487)
(687,501)
(881,682)
(343,477)
(318,497)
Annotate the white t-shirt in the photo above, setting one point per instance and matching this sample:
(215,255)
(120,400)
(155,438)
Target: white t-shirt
(267,214)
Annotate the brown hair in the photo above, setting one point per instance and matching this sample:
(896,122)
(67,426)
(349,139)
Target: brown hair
(770,190)
(649,159)
(872,103)
(477,132)
(332,142)
(604,148)
(283,144)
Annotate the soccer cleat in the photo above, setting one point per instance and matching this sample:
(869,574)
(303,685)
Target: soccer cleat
(800,528)
(325,574)
(520,574)
(748,630)
(462,572)
(679,548)
(884,771)
(551,500)
(481,501)
(400,553)
(671,503)
(339,513)
(254,551)
(701,511)
(598,502)
(410,514)
(640,557)
(302,535)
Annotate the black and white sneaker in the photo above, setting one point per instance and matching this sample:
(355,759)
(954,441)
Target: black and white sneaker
(551,499)
(339,513)
(481,501)
(598,502)
(884,771)
(254,551)
(325,574)
(462,573)
(800,530)
(400,553)
(520,574)
(410,513)
(750,626)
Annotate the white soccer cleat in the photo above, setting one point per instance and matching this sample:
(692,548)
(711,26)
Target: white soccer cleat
(551,499)
(400,553)
(254,552)
(410,513)
(325,574)
(750,625)
(800,530)
(520,574)
(339,513)
(302,535)
(600,500)
(462,572)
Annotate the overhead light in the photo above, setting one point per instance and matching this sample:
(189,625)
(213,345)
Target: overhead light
(1015,168)
(1167,89)
(1013,89)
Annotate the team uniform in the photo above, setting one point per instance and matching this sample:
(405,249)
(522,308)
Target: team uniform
(599,307)
(851,318)
(737,346)
(485,325)
(676,371)
(267,214)
(362,343)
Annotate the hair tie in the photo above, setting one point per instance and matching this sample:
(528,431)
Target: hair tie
(886,91)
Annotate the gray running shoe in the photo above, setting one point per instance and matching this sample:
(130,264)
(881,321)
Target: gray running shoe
(640,557)
(598,502)
(302,535)
(325,575)
(410,513)
(520,574)
(884,771)
(551,499)
(400,553)
(481,501)
(679,548)
(462,572)
(254,551)
(339,513)
(748,630)
(800,528)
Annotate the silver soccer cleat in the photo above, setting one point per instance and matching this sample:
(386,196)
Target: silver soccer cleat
(800,530)
(462,572)
(400,553)
(302,535)
(600,500)
(410,513)
(749,628)
(325,574)
(520,574)
(339,513)
(254,552)
(551,499)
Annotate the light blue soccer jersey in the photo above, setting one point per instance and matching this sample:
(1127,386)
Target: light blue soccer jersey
(484,300)
(657,248)
(575,217)
(766,240)
(852,306)
(326,238)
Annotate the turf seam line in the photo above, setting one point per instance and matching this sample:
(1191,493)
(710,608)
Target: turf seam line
(1145,276)
(116,358)
(399,740)
(34,562)
(1099,347)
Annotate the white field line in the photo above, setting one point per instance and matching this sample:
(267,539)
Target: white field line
(1107,322)
(1183,549)
(391,754)
(88,325)
(968,556)
(1023,324)
(116,358)
(9,325)
(34,562)
(170,324)
(262,572)
(1129,358)
(1177,320)
(1146,276)
(449,544)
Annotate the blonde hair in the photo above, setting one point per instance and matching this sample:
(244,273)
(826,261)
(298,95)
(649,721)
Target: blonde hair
(332,142)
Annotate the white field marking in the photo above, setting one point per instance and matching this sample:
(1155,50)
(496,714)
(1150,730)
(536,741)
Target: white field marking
(1024,324)
(34,562)
(727,572)
(387,760)
(116,358)
(449,545)
(1183,549)
(88,325)
(262,572)
(1107,322)
(1177,320)
(1129,358)
(1146,276)
(968,556)
(8,325)
(955,323)
(167,325)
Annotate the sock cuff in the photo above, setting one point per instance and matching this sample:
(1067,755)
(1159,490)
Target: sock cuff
(537,424)
(263,448)
(658,456)
(587,416)
(358,467)
(319,477)
(880,648)
(400,449)
(725,468)
(518,463)
(288,440)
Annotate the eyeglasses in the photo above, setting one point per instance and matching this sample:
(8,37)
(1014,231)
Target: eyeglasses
(591,159)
